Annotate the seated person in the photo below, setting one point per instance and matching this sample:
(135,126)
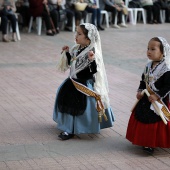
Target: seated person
(72,12)
(7,13)
(96,13)
(22,7)
(152,11)
(163,5)
(115,7)
(40,8)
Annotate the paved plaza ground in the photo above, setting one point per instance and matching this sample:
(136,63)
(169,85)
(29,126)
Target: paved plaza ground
(28,83)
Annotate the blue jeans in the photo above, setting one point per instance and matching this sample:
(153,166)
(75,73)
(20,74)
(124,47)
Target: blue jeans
(96,14)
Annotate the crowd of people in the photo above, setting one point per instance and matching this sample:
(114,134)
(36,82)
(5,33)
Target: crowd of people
(58,14)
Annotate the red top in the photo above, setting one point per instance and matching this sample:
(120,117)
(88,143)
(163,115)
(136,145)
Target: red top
(36,7)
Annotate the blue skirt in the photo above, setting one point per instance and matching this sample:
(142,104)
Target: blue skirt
(85,123)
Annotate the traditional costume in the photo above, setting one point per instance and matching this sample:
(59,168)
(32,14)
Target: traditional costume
(83,97)
(146,127)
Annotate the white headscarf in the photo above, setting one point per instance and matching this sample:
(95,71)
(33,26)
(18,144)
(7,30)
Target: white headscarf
(101,83)
(162,67)
(166,51)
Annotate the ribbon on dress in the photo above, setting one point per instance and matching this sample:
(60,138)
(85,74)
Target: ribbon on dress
(158,106)
(99,105)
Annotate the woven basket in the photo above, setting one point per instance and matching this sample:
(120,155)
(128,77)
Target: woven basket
(80,6)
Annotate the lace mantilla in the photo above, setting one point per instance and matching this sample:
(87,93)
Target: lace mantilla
(166,51)
(92,32)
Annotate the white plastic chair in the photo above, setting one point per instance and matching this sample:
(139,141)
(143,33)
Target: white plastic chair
(162,15)
(135,13)
(104,12)
(130,15)
(136,10)
(123,20)
(38,24)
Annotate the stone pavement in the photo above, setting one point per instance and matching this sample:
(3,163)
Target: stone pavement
(29,80)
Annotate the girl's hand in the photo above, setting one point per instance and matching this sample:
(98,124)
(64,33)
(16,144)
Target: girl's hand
(65,48)
(91,55)
(153,98)
(139,95)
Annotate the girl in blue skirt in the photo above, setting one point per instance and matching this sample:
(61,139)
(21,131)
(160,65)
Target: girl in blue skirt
(82,103)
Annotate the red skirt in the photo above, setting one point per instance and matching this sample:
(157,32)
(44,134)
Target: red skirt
(149,135)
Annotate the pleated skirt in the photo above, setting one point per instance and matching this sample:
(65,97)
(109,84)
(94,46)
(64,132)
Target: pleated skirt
(85,123)
(149,135)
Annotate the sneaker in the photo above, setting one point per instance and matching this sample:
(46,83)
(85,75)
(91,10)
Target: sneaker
(65,136)
(123,25)
(5,40)
(115,26)
(148,150)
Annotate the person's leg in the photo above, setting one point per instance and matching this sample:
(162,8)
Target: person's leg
(55,18)
(119,16)
(167,13)
(78,17)
(94,14)
(26,16)
(4,22)
(113,11)
(99,20)
(47,23)
(156,14)
(70,14)
(13,20)
(84,14)
(149,14)
(24,12)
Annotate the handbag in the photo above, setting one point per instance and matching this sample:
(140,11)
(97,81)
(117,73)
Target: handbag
(125,10)
(80,6)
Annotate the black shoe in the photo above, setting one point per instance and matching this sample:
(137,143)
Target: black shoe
(100,28)
(150,22)
(148,150)
(56,31)
(65,136)
(49,33)
(67,29)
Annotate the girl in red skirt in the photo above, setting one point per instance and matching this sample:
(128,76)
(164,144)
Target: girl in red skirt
(145,127)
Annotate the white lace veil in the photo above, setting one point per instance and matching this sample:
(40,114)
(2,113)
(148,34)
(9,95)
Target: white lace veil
(166,51)
(101,83)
